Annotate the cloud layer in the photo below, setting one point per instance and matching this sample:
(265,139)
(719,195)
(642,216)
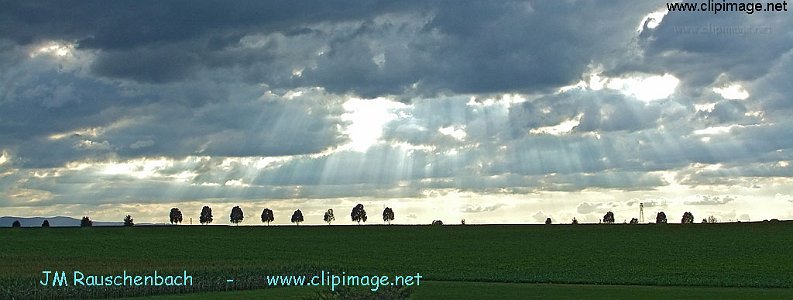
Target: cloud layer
(511,108)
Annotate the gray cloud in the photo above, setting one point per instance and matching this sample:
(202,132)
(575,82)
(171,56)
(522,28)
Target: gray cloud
(712,200)
(699,49)
(479,209)
(245,101)
(417,42)
(586,207)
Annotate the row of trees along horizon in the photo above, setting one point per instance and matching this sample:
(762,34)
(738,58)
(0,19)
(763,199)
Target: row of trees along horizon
(358,214)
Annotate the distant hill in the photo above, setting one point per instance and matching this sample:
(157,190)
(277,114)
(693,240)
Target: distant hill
(54,222)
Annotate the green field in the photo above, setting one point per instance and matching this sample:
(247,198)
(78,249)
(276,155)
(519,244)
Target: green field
(749,255)
(494,290)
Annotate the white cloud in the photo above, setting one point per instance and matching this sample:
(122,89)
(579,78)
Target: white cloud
(562,128)
(3,157)
(539,217)
(457,132)
(54,49)
(645,87)
(91,145)
(378,105)
(732,92)
(652,20)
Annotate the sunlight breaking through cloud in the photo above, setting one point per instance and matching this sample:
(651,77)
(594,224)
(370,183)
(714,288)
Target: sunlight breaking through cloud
(366,118)
(436,109)
(645,88)
(54,49)
(732,92)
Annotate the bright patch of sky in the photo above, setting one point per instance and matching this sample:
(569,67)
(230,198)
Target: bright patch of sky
(644,87)
(732,92)
(436,109)
(564,127)
(55,49)
(366,118)
(457,132)
(652,20)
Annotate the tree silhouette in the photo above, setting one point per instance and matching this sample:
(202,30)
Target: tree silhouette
(548,221)
(712,219)
(608,218)
(45,224)
(16,224)
(634,221)
(128,221)
(329,217)
(358,214)
(86,222)
(660,218)
(175,216)
(267,216)
(388,215)
(688,218)
(437,222)
(206,215)
(236,215)
(297,217)
(575,221)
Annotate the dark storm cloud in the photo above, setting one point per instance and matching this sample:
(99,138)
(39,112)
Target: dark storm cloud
(772,89)
(698,49)
(479,47)
(370,48)
(206,85)
(154,41)
(250,128)
(38,102)
(105,25)
(171,123)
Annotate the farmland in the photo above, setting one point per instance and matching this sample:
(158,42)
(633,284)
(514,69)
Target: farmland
(753,255)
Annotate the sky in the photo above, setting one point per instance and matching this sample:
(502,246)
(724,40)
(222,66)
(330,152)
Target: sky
(488,111)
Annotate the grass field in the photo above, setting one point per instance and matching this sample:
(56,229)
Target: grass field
(756,255)
(494,290)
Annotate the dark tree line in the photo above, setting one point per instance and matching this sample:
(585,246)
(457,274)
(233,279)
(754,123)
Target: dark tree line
(358,214)
(175,216)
